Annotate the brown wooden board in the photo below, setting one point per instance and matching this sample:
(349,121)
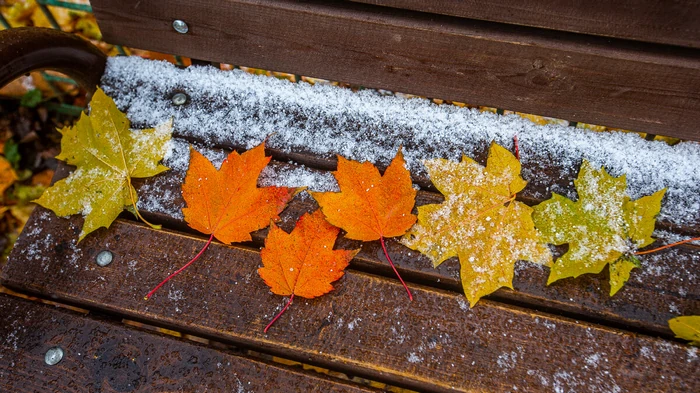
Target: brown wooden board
(580,78)
(365,327)
(665,22)
(102,356)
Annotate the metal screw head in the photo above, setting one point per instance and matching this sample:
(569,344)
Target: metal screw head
(104,258)
(179,99)
(180,26)
(53,356)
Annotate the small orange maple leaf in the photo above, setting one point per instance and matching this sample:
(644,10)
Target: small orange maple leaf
(303,262)
(227,204)
(370,206)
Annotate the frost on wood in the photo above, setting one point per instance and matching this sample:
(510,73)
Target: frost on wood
(240,110)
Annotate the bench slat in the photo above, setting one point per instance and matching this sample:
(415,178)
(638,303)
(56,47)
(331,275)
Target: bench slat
(650,21)
(580,78)
(104,356)
(365,327)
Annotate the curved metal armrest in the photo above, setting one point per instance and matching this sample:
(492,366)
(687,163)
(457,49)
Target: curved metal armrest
(29,49)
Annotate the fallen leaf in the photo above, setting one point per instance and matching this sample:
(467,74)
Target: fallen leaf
(303,262)
(370,206)
(687,328)
(7,175)
(602,227)
(107,156)
(19,13)
(43,178)
(227,203)
(480,222)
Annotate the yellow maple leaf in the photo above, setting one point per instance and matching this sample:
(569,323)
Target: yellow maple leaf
(480,222)
(107,155)
(604,226)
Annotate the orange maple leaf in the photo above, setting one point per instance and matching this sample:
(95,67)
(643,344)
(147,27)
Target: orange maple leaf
(228,203)
(303,262)
(370,206)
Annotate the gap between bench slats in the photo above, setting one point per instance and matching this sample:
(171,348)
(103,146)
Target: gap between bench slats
(365,327)
(650,21)
(103,356)
(641,87)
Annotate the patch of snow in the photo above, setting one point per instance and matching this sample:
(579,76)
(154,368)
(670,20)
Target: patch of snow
(463,305)
(414,358)
(237,109)
(507,361)
(296,175)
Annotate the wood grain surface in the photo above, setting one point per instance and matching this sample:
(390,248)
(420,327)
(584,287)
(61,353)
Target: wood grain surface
(102,356)
(365,327)
(665,22)
(597,80)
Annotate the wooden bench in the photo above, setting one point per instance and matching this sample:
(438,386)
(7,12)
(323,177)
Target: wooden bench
(538,57)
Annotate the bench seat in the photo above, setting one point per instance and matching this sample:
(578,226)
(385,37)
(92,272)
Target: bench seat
(569,336)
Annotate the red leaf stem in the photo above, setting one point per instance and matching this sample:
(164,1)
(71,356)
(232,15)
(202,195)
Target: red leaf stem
(666,246)
(180,269)
(286,306)
(386,253)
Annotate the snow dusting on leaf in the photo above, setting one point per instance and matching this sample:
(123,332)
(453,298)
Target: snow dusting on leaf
(107,156)
(602,227)
(480,222)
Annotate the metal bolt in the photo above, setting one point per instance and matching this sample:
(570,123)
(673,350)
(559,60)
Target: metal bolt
(104,258)
(179,99)
(53,356)
(180,26)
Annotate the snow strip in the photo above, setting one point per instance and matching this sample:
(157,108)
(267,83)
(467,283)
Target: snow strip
(239,109)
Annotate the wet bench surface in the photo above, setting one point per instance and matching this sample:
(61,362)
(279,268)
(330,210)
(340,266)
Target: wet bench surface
(569,336)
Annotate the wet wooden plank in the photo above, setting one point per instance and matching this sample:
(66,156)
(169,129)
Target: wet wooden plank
(663,22)
(580,78)
(366,326)
(102,356)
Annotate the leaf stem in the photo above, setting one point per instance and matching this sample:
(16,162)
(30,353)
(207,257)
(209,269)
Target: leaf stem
(666,246)
(136,209)
(386,253)
(517,147)
(286,306)
(180,269)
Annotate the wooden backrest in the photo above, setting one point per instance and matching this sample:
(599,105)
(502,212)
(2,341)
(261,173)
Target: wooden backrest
(633,65)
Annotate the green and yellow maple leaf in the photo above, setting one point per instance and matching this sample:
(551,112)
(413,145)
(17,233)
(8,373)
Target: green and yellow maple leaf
(480,222)
(107,155)
(687,328)
(602,227)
